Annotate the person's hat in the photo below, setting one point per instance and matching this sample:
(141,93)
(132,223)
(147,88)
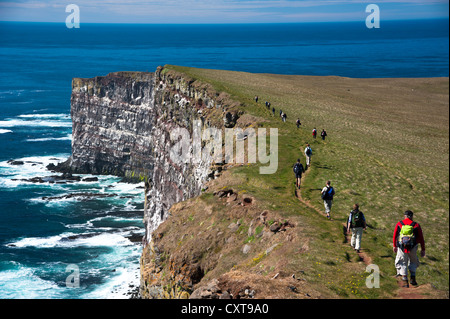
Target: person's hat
(409,213)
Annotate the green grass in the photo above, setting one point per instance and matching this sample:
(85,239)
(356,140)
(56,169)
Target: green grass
(387,149)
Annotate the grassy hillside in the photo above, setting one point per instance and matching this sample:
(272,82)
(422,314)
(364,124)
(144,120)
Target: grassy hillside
(387,149)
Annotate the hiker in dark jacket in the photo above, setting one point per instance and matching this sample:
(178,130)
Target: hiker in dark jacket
(298,170)
(323,134)
(298,123)
(407,237)
(356,223)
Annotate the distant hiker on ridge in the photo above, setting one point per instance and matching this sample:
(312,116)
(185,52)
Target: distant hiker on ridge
(356,223)
(407,237)
(256,98)
(298,170)
(314,132)
(273,111)
(323,134)
(298,123)
(327,196)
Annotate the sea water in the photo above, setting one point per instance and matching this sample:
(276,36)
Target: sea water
(41,239)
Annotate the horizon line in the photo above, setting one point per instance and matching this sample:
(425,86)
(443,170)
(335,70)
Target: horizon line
(226,23)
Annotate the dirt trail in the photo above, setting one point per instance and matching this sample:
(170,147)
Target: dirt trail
(362,255)
(424,291)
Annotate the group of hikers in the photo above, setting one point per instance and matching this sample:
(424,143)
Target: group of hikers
(283,115)
(407,235)
(323,134)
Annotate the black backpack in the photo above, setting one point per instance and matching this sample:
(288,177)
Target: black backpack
(298,168)
(357,219)
(309,151)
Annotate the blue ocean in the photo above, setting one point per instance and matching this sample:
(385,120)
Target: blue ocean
(48,228)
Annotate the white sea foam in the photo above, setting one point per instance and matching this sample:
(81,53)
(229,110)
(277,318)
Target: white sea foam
(110,220)
(35,123)
(68,137)
(23,283)
(71,240)
(32,166)
(123,255)
(58,116)
(3,131)
(12,92)
(127,188)
(38,120)
(118,285)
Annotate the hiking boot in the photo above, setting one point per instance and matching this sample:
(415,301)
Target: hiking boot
(405,282)
(413,281)
(357,250)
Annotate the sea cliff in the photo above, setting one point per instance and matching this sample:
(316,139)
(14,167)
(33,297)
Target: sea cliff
(121,126)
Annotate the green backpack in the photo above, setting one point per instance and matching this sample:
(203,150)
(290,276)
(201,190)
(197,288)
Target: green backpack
(407,237)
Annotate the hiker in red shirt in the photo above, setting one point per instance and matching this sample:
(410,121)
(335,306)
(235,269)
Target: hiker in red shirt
(407,237)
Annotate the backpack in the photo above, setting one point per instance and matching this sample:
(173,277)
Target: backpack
(357,219)
(308,151)
(298,168)
(407,238)
(328,194)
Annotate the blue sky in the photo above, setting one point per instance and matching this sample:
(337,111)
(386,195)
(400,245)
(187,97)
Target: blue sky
(219,11)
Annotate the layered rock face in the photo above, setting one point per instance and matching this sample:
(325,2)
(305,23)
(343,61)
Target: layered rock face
(122,125)
(112,117)
(177,105)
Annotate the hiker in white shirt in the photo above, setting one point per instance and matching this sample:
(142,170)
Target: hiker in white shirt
(327,196)
(308,154)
